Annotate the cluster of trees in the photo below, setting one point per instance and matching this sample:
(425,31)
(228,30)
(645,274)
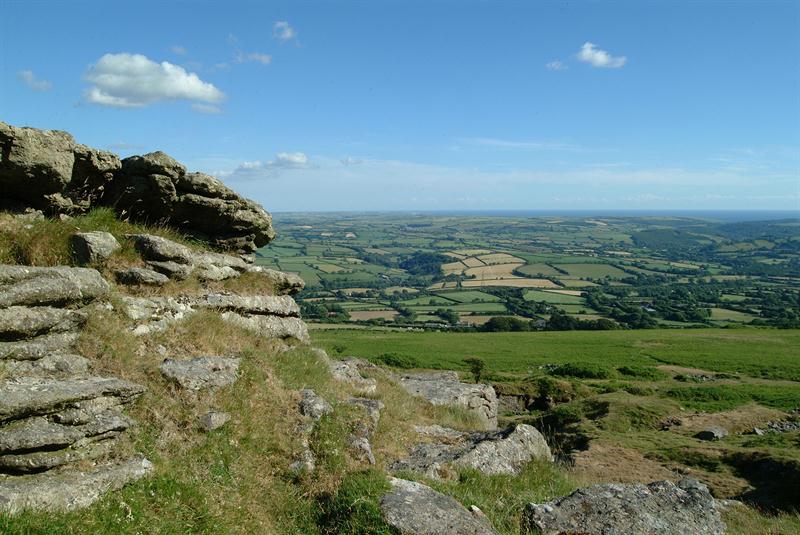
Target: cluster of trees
(424,263)
(323,311)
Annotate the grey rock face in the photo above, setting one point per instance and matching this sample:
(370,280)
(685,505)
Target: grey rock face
(202,372)
(347,371)
(416,509)
(155,187)
(283,283)
(94,247)
(712,433)
(38,347)
(493,453)
(214,420)
(27,285)
(68,490)
(313,405)
(18,322)
(445,389)
(50,365)
(274,305)
(270,326)
(46,169)
(161,249)
(140,276)
(660,508)
(29,396)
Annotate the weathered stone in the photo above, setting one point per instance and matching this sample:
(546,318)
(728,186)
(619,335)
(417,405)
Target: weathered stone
(171,269)
(68,490)
(445,389)
(442,434)
(270,326)
(660,508)
(213,420)
(202,372)
(347,371)
(283,283)
(140,276)
(361,448)
(28,396)
(313,405)
(46,169)
(18,322)
(27,285)
(161,249)
(48,366)
(38,347)
(45,459)
(493,453)
(214,273)
(153,163)
(92,247)
(159,312)
(373,408)
(273,305)
(416,509)
(221,261)
(712,433)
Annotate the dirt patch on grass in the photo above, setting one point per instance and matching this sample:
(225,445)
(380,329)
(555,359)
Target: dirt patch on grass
(605,463)
(739,420)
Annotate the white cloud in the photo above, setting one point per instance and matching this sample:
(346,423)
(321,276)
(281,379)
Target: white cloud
(600,58)
(283,31)
(35,83)
(179,50)
(133,81)
(556,65)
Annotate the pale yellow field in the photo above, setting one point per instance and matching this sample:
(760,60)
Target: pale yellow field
(499,258)
(497,271)
(362,315)
(455,255)
(453,268)
(329,268)
(351,291)
(472,262)
(472,252)
(577,293)
(443,285)
(514,282)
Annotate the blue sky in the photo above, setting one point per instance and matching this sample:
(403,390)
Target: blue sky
(388,105)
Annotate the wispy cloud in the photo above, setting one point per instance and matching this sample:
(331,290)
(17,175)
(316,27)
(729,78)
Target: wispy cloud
(596,57)
(556,65)
(255,57)
(208,109)
(179,50)
(33,82)
(519,145)
(134,81)
(349,160)
(255,170)
(283,31)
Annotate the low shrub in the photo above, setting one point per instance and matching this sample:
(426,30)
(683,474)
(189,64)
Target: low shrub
(584,370)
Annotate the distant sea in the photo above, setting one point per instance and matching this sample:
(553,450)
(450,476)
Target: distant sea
(716,215)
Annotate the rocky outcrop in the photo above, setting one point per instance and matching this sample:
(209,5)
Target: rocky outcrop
(348,371)
(48,170)
(494,453)
(444,388)
(313,405)
(140,276)
(415,509)
(202,372)
(53,413)
(156,188)
(660,508)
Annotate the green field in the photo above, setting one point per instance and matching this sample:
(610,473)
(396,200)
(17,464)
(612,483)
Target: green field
(758,353)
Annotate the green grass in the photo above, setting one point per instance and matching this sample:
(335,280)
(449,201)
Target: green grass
(591,271)
(755,352)
(469,296)
(552,297)
(725,397)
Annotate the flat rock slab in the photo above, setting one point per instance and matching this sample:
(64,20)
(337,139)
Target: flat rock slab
(27,285)
(270,326)
(445,389)
(416,509)
(68,490)
(17,322)
(202,372)
(49,366)
(282,283)
(660,508)
(30,396)
(347,371)
(213,420)
(493,453)
(274,305)
(140,276)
